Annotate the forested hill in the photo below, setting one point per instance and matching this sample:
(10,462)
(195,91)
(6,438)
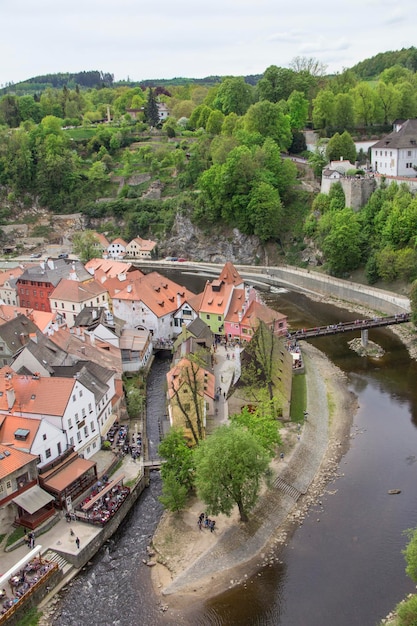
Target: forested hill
(372,68)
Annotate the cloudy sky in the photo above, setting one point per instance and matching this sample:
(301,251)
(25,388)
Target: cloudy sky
(141,39)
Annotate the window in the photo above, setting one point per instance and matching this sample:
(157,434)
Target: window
(90,408)
(79,437)
(408,152)
(9,484)
(58,447)
(408,165)
(62,305)
(72,442)
(73,307)
(44,436)
(219,318)
(83,411)
(77,417)
(207,317)
(86,431)
(81,393)
(94,444)
(92,426)
(74,398)
(56,305)
(48,453)
(187,406)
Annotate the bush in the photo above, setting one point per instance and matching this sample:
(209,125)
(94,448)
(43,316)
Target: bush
(407,612)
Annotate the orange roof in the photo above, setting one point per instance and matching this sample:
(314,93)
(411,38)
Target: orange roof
(68,474)
(216,297)
(74,291)
(118,241)
(236,306)
(230,275)
(9,274)
(144,244)
(13,460)
(176,378)
(110,267)
(160,294)
(102,239)
(43,395)
(11,424)
(258,311)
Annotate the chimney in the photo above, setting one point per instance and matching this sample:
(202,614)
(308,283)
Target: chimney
(10,394)
(178,300)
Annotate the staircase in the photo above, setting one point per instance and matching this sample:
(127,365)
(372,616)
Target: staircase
(63,564)
(286,488)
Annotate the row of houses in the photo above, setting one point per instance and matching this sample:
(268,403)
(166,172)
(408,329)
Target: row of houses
(138,248)
(64,353)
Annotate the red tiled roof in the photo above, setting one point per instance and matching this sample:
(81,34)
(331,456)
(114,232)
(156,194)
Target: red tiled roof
(230,275)
(38,395)
(13,460)
(216,297)
(10,425)
(236,306)
(74,291)
(68,474)
(176,378)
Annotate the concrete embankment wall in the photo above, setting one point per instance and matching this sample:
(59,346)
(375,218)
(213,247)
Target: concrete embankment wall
(87,552)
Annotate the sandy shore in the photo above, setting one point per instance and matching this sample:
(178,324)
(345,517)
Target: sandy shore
(190,561)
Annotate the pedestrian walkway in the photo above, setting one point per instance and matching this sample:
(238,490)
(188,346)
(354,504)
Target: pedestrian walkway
(226,371)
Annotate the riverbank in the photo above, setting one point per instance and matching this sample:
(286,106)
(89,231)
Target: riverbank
(201,564)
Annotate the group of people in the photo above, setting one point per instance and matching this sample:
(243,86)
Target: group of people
(206,522)
(22,582)
(30,540)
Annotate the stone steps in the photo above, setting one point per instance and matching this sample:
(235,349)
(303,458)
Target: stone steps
(286,488)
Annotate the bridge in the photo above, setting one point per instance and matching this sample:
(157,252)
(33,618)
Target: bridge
(343,327)
(153,464)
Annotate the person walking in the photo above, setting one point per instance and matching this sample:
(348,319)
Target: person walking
(77,541)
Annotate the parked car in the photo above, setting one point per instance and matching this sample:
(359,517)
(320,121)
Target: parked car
(63,255)
(182,260)
(36,255)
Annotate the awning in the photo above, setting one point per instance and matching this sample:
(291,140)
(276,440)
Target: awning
(68,474)
(102,493)
(33,499)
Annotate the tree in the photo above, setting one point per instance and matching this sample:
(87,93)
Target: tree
(151,109)
(179,458)
(308,64)
(230,467)
(234,95)
(276,84)
(297,110)
(323,109)
(364,100)
(317,161)
(341,147)
(265,209)
(342,246)
(174,494)
(267,119)
(261,425)
(84,245)
(187,393)
(344,115)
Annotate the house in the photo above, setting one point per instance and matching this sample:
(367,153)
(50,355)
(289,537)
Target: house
(18,482)
(46,322)
(162,111)
(150,302)
(35,284)
(230,276)
(69,298)
(259,312)
(136,348)
(215,303)
(40,355)
(187,312)
(99,323)
(396,154)
(196,330)
(65,403)
(191,392)
(8,279)
(36,436)
(117,248)
(140,248)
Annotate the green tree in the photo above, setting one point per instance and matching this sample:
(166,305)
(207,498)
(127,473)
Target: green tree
(234,95)
(317,161)
(341,146)
(342,246)
(364,102)
(151,109)
(344,114)
(84,245)
(324,109)
(267,119)
(174,494)
(297,110)
(266,211)
(179,458)
(264,427)
(215,122)
(230,467)
(276,84)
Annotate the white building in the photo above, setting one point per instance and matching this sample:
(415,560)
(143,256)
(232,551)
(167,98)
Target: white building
(396,154)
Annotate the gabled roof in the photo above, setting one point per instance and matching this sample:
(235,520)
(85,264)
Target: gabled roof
(73,291)
(15,333)
(13,425)
(160,294)
(230,275)
(236,308)
(85,373)
(133,339)
(405,137)
(144,244)
(176,378)
(46,352)
(36,395)
(101,352)
(118,242)
(199,329)
(12,460)
(102,239)
(260,312)
(10,275)
(215,298)
(52,271)
(110,267)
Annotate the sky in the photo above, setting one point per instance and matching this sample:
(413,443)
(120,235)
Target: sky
(141,39)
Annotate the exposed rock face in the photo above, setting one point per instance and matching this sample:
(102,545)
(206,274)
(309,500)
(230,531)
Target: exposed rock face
(226,245)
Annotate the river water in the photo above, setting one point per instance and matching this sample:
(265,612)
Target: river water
(344,565)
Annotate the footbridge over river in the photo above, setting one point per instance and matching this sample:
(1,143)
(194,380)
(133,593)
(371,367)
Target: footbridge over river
(342,327)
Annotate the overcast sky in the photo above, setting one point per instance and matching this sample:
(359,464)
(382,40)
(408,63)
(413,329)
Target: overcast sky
(141,39)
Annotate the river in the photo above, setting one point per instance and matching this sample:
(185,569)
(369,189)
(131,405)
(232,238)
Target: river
(344,565)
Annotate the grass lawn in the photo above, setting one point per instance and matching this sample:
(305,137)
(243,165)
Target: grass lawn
(298,398)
